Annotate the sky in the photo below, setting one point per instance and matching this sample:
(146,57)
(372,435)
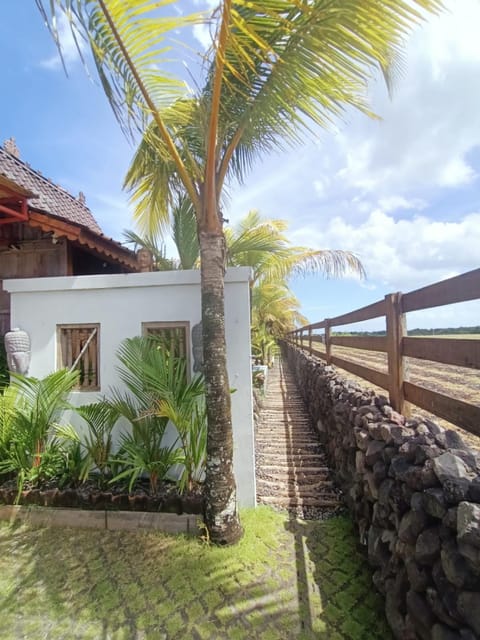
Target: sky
(402,192)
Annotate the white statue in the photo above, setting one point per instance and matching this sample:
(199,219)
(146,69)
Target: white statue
(17,346)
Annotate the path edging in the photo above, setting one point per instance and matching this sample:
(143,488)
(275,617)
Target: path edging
(109,520)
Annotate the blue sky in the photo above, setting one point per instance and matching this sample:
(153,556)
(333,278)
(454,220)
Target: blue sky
(402,192)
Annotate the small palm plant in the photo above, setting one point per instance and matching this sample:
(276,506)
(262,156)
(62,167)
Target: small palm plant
(158,392)
(96,444)
(145,371)
(31,449)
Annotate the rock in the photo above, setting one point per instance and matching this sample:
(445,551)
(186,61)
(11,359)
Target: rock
(471,554)
(388,454)
(450,518)
(442,632)
(400,434)
(411,525)
(469,458)
(389,537)
(436,604)
(384,491)
(454,476)
(374,429)
(456,568)
(381,401)
(385,430)
(421,614)
(417,576)
(393,416)
(474,490)
(434,428)
(378,554)
(426,452)
(434,502)
(374,452)
(359,461)
(417,501)
(455,490)
(362,439)
(449,466)
(428,477)
(394,603)
(469,607)
(453,440)
(468,523)
(379,471)
(367,410)
(427,547)
(420,427)
(408,450)
(399,468)
(371,485)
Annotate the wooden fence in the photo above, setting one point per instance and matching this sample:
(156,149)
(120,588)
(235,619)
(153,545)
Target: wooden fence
(398,345)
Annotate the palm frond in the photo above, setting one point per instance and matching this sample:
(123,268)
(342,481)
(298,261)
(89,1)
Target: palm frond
(184,232)
(290,66)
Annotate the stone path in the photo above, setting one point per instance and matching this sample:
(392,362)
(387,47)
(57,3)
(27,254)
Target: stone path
(291,466)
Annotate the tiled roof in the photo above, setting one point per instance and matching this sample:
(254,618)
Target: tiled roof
(49,197)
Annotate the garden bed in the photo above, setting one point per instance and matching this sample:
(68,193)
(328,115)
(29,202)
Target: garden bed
(87,497)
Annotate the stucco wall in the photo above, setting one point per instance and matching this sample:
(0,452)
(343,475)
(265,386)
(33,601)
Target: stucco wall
(120,304)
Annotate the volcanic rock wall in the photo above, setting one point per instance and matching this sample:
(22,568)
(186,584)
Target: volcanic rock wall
(414,492)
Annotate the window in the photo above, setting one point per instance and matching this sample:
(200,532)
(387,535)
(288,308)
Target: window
(172,335)
(78,348)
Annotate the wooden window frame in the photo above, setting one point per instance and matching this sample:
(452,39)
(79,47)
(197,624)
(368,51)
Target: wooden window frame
(180,324)
(60,356)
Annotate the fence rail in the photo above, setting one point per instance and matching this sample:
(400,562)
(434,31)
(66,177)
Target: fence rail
(398,346)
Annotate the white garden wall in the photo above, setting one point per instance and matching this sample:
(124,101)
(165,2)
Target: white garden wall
(120,304)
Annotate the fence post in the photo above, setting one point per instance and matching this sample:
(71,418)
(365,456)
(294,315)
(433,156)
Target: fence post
(310,350)
(328,345)
(396,330)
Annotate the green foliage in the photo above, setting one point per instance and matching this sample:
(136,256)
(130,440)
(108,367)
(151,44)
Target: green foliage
(159,391)
(29,415)
(97,443)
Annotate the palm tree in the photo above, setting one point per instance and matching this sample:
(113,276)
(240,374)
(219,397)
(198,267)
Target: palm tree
(262,245)
(275,68)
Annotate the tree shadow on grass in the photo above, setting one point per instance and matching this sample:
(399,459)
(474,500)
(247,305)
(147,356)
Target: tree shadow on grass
(72,583)
(337,598)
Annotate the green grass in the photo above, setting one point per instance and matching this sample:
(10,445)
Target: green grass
(285,579)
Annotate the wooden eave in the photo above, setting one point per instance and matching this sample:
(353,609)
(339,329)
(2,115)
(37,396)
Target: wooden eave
(84,237)
(13,201)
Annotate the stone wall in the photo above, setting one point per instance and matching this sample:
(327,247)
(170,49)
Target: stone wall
(414,492)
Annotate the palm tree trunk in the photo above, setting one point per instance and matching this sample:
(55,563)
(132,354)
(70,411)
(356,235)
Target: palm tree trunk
(221,515)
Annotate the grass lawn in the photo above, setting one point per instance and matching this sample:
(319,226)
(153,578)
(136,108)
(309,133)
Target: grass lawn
(287,579)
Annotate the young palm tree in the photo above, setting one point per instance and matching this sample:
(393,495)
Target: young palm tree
(275,68)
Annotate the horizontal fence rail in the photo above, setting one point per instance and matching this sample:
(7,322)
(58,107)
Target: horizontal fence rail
(398,346)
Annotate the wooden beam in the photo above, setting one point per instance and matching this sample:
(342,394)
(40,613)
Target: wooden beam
(459,289)
(374,310)
(396,330)
(328,343)
(372,375)
(457,351)
(458,412)
(370,343)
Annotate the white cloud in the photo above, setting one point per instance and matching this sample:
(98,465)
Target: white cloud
(70,46)
(203,32)
(402,254)
(432,123)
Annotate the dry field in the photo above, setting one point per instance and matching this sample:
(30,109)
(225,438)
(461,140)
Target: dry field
(458,382)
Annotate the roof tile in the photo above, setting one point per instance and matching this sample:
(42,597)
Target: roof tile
(50,198)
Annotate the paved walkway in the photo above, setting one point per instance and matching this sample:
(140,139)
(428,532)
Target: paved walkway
(291,465)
